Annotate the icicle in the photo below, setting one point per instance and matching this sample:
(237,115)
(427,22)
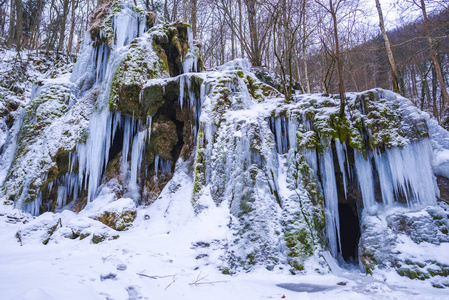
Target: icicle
(136,160)
(306,122)
(156,166)
(341,162)
(100,69)
(292,129)
(331,200)
(347,162)
(50,186)
(181,90)
(411,172)
(385,180)
(94,154)
(311,158)
(62,196)
(138,148)
(149,122)
(165,166)
(128,24)
(190,36)
(127,135)
(279,126)
(278,133)
(191,93)
(364,172)
(85,60)
(33,208)
(190,61)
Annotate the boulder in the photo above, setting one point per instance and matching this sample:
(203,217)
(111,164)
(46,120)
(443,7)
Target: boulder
(118,215)
(39,230)
(83,227)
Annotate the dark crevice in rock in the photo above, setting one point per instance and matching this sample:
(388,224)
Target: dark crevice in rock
(117,143)
(172,53)
(176,151)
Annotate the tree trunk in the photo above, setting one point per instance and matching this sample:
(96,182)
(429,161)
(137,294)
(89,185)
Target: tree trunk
(435,59)
(242,47)
(175,11)
(341,84)
(19,15)
(62,21)
(256,59)
(184,11)
(434,93)
(304,40)
(72,27)
(166,16)
(194,19)
(394,72)
(12,22)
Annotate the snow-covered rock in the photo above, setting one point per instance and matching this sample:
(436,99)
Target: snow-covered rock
(411,242)
(118,215)
(83,227)
(39,230)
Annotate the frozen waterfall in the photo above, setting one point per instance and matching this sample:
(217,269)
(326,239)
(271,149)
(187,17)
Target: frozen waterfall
(401,174)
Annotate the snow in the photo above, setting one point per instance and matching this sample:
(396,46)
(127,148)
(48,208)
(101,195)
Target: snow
(237,64)
(118,207)
(425,251)
(179,250)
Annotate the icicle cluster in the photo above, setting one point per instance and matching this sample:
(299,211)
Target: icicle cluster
(403,172)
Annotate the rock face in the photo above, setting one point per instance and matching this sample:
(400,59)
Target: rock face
(296,177)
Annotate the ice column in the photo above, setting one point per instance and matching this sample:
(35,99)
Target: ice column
(331,200)
(364,172)
(385,180)
(341,155)
(412,174)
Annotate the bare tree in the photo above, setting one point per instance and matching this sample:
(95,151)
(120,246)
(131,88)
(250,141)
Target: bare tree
(333,9)
(394,72)
(436,63)
(72,26)
(194,18)
(12,22)
(19,24)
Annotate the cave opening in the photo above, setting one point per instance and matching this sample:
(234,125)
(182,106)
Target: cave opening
(349,232)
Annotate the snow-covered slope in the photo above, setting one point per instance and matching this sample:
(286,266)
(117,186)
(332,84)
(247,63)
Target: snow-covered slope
(145,168)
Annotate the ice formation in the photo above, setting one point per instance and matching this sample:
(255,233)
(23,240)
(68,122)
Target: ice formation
(405,173)
(331,199)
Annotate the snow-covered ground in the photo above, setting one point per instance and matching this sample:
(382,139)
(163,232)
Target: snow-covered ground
(168,254)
